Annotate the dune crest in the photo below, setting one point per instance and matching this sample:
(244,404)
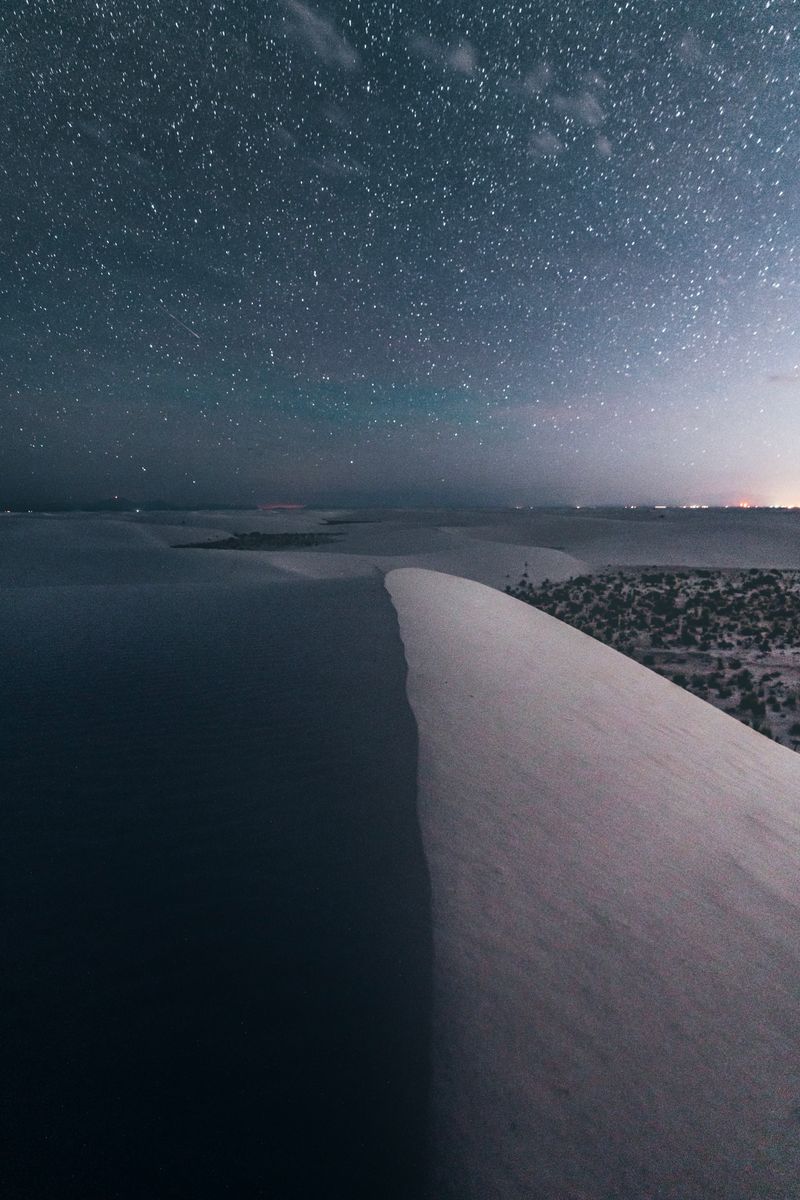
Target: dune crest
(614,866)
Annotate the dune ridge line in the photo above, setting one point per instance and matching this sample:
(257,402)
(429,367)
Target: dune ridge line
(616,918)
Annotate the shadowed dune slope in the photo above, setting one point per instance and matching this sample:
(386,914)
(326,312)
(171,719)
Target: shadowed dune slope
(614,866)
(216,939)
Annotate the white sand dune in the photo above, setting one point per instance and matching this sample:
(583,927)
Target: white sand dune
(493,546)
(714,538)
(614,863)
(80,548)
(91,550)
(490,547)
(492,563)
(616,889)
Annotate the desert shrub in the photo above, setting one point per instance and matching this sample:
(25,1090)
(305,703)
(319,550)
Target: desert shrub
(749,702)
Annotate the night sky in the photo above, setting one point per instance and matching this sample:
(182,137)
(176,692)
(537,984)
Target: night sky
(400,252)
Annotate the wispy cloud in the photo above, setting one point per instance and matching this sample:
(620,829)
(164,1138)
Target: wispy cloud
(594,80)
(690,49)
(585,107)
(336,116)
(544,142)
(338,166)
(318,35)
(538,79)
(281,134)
(533,83)
(461,56)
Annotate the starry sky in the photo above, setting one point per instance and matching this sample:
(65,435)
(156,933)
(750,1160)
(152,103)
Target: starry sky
(388,251)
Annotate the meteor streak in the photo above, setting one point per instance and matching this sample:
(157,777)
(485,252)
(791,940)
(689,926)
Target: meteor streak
(180,322)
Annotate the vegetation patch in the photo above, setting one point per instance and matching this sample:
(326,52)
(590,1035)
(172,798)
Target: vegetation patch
(262,541)
(731,637)
(349,521)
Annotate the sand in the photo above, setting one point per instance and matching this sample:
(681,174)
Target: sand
(216,932)
(93,550)
(616,916)
(645,537)
(220,939)
(486,562)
